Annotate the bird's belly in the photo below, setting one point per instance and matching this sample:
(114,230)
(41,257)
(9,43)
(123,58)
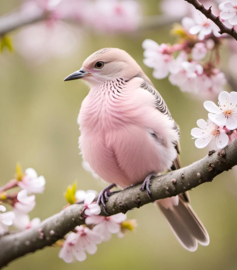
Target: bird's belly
(124,156)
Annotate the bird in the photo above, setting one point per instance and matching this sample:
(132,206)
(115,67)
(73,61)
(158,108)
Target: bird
(128,136)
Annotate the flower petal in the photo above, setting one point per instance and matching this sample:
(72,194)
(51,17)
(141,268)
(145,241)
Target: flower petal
(149,44)
(91,248)
(195,29)
(211,107)
(118,218)
(233,20)
(231,122)
(218,119)
(2,208)
(227,14)
(233,98)
(203,142)
(94,209)
(222,140)
(223,97)
(201,123)
(113,227)
(79,254)
(31,172)
(94,219)
(198,133)
(89,198)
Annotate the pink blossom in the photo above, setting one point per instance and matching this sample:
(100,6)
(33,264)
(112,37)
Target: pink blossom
(105,226)
(92,208)
(88,239)
(208,131)
(25,203)
(31,182)
(115,16)
(174,8)
(39,42)
(186,76)
(200,25)
(6,219)
(82,194)
(158,57)
(77,243)
(199,51)
(22,221)
(69,250)
(229,11)
(226,113)
(211,84)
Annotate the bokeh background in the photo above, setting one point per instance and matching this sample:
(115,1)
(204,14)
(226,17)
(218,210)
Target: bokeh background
(38,128)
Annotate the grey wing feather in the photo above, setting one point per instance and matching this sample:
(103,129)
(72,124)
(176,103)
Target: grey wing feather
(162,107)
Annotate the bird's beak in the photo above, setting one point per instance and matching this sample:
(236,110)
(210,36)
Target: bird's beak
(77,75)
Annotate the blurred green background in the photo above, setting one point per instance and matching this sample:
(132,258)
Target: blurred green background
(38,117)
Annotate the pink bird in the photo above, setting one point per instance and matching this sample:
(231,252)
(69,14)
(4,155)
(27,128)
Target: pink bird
(128,135)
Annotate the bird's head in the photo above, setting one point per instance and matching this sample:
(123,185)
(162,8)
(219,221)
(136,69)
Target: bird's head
(105,65)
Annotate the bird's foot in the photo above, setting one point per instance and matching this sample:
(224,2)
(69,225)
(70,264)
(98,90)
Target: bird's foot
(146,184)
(104,196)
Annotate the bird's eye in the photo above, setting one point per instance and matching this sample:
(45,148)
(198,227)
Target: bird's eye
(99,64)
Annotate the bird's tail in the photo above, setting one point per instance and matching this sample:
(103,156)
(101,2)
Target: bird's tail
(184,222)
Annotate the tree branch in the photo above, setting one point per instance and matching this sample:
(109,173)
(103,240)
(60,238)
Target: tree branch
(208,13)
(167,185)
(18,19)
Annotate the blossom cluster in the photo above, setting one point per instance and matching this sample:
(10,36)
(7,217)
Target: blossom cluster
(22,204)
(96,229)
(193,63)
(54,37)
(221,125)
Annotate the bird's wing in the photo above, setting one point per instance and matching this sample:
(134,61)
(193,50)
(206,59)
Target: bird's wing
(163,108)
(184,222)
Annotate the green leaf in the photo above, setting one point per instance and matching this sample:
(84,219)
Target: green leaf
(70,193)
(6,43)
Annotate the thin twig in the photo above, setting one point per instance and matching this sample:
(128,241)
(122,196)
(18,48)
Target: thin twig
(208,13)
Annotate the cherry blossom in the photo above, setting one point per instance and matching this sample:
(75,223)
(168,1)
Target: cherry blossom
(115,16)
(88,239)
(25,203)
(69,250)
(31,182)
(229,11)
(105,226)
(206,132)
(40,42)
(92,208)
(199,51)
(78,242)
(6,219)
(200,25)
(158,57)
(186,76)
(22,220)
(226,113)
(82,194)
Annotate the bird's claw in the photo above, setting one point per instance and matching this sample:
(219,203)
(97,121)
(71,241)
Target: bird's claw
(104,196)
(146,184)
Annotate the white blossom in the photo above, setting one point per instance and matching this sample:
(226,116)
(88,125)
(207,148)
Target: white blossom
(229,11)
(158,57)
(226,113)
(200,25)
(6,219)
(92,208)
(31,182)
(208,131)
(105,226)
(25,203)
